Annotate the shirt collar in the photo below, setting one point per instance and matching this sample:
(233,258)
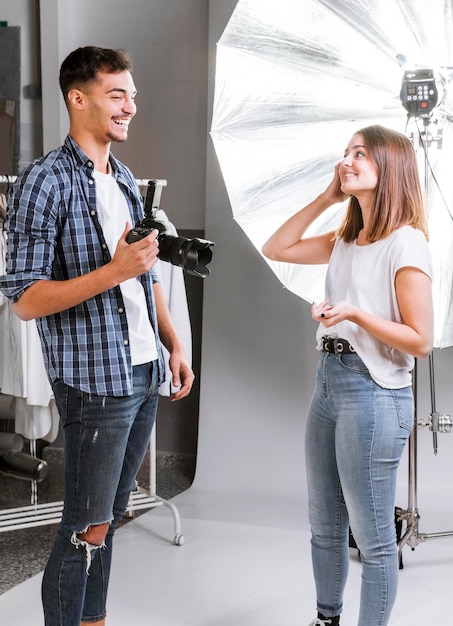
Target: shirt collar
(120,172)
(83,160)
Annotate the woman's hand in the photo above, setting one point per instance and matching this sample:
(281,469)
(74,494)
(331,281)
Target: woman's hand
(333,191)
(329,315)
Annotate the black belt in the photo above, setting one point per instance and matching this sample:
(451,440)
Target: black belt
(335,345)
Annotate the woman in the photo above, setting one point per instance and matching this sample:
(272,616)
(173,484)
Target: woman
(377,316)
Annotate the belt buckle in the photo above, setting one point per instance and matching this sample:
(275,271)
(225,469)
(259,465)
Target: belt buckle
(328,343)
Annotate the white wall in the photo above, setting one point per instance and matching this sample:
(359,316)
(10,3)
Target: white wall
(168,44)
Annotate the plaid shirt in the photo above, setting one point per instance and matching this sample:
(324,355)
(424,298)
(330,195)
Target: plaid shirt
(54,234)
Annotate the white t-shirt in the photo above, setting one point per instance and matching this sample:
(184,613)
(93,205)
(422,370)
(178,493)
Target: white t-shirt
(365,277)
(113,213)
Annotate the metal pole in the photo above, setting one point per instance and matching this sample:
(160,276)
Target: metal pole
(411,516)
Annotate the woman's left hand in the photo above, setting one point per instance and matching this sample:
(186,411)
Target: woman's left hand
(331,314)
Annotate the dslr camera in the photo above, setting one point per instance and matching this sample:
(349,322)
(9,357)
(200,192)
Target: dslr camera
(192,255)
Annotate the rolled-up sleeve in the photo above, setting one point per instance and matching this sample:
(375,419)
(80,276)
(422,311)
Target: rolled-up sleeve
(31,227)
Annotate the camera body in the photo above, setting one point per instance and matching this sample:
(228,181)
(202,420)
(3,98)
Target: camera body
(192,255)
(138,232)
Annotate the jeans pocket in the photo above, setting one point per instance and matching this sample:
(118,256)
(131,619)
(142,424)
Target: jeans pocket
(404,404)
(69,402)
(352,363)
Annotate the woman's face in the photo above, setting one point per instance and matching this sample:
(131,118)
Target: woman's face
(358,172)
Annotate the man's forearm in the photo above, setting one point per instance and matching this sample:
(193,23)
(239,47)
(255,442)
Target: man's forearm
(46,297)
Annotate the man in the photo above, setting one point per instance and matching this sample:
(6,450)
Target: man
(101,316)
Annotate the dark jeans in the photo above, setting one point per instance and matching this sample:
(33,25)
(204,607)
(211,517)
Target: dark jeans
(106,439)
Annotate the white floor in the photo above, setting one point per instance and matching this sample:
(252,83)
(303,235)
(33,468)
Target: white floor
(245,562)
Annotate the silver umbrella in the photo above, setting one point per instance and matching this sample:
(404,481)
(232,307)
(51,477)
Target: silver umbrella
(296,78)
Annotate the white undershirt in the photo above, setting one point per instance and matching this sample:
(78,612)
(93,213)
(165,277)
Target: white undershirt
(113,212)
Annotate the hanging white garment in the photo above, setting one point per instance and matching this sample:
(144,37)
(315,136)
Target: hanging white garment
(36,413)
(174,288)
(22,371)
(23,375)
(10,360)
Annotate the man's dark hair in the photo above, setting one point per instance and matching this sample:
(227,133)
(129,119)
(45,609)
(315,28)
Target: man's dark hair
(81,66)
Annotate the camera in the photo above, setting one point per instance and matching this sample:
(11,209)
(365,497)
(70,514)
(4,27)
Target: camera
(192,255)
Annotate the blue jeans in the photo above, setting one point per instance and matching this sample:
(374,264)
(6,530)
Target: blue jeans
(355,436)
(106,439)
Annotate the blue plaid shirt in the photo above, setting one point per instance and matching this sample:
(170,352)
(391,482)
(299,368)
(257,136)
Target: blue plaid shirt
(54,234)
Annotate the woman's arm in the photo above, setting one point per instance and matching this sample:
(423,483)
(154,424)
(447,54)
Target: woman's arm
(415,335)
(286,244)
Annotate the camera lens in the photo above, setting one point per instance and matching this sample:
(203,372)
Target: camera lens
(192,255)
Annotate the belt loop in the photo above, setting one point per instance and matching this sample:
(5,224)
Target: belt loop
(326,344)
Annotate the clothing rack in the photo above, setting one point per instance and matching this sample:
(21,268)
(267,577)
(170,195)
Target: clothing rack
(7,178)
(50,513)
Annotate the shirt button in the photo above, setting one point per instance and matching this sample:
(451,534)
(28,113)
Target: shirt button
(121,309)
(126,342)
(104,246)
(90,164)
(93,213)
(90,182)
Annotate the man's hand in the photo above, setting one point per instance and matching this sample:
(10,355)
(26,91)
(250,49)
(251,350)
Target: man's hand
(182,376)
(132,260)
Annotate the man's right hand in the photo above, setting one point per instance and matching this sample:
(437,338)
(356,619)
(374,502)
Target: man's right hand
(46,297)
(132,259)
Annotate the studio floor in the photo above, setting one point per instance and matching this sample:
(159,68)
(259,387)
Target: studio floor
(245,562)
(24,551)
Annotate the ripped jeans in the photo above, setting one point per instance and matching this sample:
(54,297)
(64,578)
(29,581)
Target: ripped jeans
(355,435)
(106,439)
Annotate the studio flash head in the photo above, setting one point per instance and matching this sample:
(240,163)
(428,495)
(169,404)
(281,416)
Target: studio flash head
(419,92)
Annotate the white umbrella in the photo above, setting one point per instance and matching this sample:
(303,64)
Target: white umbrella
(294,80)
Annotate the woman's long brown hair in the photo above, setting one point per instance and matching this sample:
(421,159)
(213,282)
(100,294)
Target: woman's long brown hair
(398,199)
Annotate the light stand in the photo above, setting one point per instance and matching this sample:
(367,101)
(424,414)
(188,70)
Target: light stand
(437,422)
